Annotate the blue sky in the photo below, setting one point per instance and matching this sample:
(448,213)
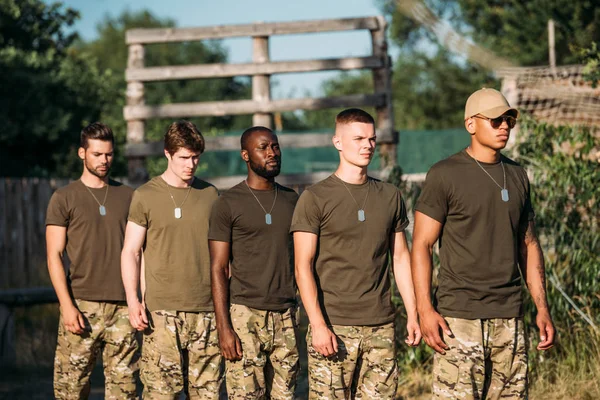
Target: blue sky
(188,13)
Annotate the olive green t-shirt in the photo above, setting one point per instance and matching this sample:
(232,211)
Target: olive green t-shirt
(479,276)
(176,249)
(352,268)
(262,269)
(94,241)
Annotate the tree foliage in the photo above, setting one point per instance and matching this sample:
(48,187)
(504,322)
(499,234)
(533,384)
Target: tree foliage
(49,91)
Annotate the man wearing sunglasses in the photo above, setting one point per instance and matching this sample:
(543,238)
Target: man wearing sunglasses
(477,204)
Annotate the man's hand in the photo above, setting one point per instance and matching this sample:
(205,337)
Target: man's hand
(324,341)
(547,333)
(432,324)
(73,320)
(137,315)
(230,344)
(413,337)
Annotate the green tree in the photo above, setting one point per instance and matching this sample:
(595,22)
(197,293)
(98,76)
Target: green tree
(49,91)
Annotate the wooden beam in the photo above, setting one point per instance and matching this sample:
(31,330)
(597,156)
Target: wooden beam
(228,70)
(232,143)
(261,84)
(142,36)
(237,107)
(27,296)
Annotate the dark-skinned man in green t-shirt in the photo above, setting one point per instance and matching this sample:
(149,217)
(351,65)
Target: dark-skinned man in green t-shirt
(345,229)
(87,218)
(477,204)
(168,219)
(253,276)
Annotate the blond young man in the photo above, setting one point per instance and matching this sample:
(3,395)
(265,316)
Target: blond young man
(345,227)
(253,276)
(477,204)
(168,219)
(87,219)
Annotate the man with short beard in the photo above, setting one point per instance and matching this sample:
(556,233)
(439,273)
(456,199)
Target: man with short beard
(256,308)
(87,218)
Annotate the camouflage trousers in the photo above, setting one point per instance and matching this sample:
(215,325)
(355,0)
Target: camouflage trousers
(107,330)
(180,353)
(487,359)
(269,365)
(363,368)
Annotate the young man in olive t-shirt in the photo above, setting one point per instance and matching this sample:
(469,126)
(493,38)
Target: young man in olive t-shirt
(87,218)
(477,203)
(345,227)
(168,218)
(256,308)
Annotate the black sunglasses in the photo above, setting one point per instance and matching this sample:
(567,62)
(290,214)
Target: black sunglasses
(496,122)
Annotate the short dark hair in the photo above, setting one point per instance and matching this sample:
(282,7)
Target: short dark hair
(249,132)
(184,134)
(96,130)
(351,115)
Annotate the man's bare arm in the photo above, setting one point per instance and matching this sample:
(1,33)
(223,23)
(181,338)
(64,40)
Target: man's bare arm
(305,247)
(135,235)
(426,232)
(404,282)
(229,342)
(531,262)
(56,241)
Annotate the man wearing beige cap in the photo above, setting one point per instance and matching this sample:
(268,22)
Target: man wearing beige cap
(477,204)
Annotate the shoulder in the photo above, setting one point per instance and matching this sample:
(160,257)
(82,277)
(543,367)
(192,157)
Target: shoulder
(149,187)
(321,188)
(512,164)
(120,188)
(288,192)
(205,186)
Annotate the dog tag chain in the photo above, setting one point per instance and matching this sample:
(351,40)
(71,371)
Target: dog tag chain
(361,210)
(503,189)
(268,218)
(101,207)
(178,213)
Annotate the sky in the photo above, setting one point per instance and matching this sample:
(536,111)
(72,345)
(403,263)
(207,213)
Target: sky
(189,13)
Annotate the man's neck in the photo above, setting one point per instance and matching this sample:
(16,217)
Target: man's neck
(352,174)
(92,181)
(175,181)
(258,182)
(483,153)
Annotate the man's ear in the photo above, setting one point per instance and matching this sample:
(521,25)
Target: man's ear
(470,125)
(244,155)
(337,142)
(168,155)
(81,153)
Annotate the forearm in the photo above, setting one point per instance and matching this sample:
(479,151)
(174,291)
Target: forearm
(58,278)
(307,287)
(422,267)
(535,274)
(404,282)
(220,294)
(130,272)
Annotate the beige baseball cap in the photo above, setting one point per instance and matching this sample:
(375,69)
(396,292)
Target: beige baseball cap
(489,103)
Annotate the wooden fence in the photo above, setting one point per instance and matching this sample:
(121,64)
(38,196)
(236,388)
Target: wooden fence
(261,105)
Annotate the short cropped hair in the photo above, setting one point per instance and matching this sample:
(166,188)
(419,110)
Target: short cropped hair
(354,115)
(249,132)
(96,130)
(183,134)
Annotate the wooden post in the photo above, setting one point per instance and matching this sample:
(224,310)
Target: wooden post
(382,82)
(261,86)
(551,47)
(8,355)
(137,173)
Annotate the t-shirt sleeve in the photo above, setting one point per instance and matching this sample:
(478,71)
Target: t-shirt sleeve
(401,217)
(57,213)
(220,221)
(433,200)
(137,211)
(307,216)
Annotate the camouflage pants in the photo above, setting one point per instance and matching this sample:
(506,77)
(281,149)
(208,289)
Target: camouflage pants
(363,368)
(487,359)
(107,329)
(269,365)
(181,353)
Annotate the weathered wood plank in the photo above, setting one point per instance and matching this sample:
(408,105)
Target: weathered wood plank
(268,68)
(237,107)
(4,272)
(28,296)
(261,84)
(141,36)
(218,143)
